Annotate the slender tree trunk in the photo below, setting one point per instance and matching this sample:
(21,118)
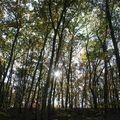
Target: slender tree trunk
(116,50)
(33,79)
(68,77)
(61,88)
(44,114)
(7,68)
(53,100)
(105,79)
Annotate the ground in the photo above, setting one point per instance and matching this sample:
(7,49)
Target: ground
(62,114)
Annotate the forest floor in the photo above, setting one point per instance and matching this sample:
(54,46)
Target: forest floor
(61,114)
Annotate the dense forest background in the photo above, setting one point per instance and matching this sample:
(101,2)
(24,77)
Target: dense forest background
(59,54)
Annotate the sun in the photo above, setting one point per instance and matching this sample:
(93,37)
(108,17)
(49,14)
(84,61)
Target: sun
(57,73)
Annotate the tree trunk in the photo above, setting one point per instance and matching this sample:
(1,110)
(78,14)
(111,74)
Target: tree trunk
(116,50)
